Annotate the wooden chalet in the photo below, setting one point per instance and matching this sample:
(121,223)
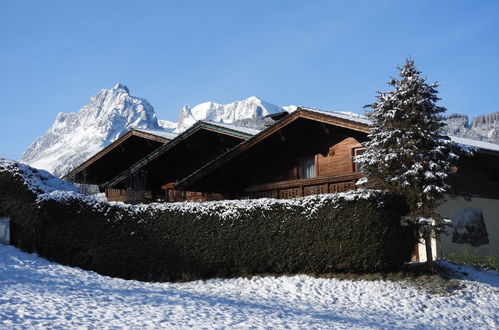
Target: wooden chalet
(154,175)
(306,152)
(311,152)
(303,153)
(477,175)
(118,156)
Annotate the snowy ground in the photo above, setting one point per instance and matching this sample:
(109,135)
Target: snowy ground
(35,292)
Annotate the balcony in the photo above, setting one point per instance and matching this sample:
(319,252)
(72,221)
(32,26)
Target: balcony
(305,187)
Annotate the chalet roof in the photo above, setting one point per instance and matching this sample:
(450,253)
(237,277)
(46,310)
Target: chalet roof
(166,135)
(341,114)
(242,129)
(480,145)
(339,118)
(241,132)
(152,135)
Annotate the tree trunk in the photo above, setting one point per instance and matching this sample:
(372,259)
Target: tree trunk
(429,254)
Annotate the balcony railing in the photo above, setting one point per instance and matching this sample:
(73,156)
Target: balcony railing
(127,196)
(305,187)
(282,190)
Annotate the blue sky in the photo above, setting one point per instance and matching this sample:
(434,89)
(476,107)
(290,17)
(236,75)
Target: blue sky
(334,55)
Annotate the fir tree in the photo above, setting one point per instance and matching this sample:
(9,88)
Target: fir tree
(408,152)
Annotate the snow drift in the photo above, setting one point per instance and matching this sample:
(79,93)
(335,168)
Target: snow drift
(36,293)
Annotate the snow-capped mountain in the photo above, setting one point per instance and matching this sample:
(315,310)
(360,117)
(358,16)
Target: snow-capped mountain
(249,108)
(75,137)
(167,125)
(483,128)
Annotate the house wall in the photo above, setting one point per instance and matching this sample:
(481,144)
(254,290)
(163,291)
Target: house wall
(478,175)
(339,159)
(115,160)
(275,157)
(452,208)
(4,231)
(331,159)
(421,253)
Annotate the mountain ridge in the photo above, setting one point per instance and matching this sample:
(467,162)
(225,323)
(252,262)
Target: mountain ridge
(75,137)
(482,127)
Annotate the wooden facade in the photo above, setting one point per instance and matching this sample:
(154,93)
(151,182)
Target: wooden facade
(170,163)
(271,164)
(304,153)
(305,187)
(118,156)
(478,175)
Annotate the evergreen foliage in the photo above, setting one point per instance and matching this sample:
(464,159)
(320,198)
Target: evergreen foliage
(169,242)
(408,152)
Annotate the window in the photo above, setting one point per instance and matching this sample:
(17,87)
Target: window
(307,167)
(357,152)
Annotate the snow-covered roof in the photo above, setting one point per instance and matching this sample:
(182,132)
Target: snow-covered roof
(163,134)
(235,130)
(482,145)
(341,114)
(242,129)
(476,144)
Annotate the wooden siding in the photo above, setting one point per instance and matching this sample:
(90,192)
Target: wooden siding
(339,160)
(305,187)
(195,144)
(298,131)
(173,195)
(127,196)
(115,157)
(477,176)
(116,195)
(334,160)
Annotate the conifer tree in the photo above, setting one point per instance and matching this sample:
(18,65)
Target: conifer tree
(407,151)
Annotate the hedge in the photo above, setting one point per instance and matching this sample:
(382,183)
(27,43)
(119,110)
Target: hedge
(350,232)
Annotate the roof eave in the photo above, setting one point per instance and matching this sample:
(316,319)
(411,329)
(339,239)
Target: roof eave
(181,137)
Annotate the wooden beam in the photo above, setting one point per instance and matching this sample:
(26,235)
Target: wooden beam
(304,182)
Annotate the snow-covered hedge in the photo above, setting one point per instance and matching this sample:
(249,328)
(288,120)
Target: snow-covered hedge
(358,231)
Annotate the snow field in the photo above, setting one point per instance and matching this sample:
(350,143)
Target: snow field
(38,293)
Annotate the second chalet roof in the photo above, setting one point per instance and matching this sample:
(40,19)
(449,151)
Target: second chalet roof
(482,146)
(236,131)
(339,118)
(166,135)
(140,140)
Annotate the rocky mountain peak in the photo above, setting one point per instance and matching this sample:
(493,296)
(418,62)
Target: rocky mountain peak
(120,86)
(482,128)
(75,137)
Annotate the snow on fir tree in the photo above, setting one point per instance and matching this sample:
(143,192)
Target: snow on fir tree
(407,151)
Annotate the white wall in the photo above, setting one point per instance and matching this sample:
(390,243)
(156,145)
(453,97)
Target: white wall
(4,231)
(490,210)
(422,250)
